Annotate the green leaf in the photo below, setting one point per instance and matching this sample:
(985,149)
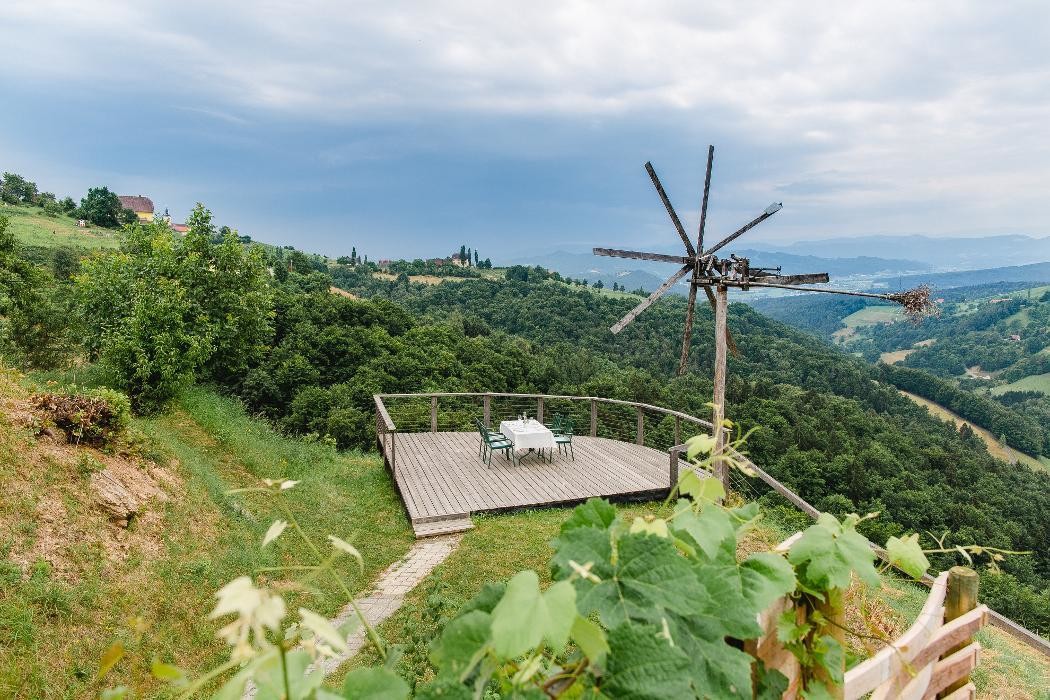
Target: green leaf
(168,673)
(717,669)
(110,659)
(907,555)
(348,548)
(118,693)
(702,489)
(444,689)
(656,527)
(269,676)
(596,512)
(642,665)
(590,638)
(712,531)
(461,639)
(323,629)
(374,684)
(699,444)
(766,576)
(486,599)
(525,617)
(829,551)
(770,684)
(274,531)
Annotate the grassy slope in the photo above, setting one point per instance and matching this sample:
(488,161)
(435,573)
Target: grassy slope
(868,316)
(1034,382)
(501,545)
(34,228)
(55,630)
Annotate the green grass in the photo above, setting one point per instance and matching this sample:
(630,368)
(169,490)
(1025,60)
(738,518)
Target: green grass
(868,316)
(53,631)
(32,227)
(1035,382)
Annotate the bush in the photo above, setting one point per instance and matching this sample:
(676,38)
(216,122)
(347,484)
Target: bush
(95,419)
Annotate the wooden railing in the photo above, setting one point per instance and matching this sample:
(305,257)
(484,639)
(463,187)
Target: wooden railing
(627,421)
(933,658)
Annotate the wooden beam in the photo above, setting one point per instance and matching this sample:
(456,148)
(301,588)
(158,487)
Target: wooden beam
(687,336)
(718,414)
(770,211)
(539,409)
(814,278)
(703,204)
(487,403)
(433,414)
(638,255)
(594,418)
(639,436)
(650,300)
(670,210)
(960,599)
(729,336)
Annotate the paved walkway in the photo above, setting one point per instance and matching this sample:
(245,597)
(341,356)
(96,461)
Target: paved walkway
(388,594)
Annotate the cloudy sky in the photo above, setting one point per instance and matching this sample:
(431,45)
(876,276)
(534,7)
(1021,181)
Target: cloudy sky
(408,128)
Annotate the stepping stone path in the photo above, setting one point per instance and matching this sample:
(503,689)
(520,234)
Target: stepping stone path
(388,594)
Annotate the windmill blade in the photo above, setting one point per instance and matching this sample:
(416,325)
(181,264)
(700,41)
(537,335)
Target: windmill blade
(703,204)
(651,299)
(729,336)
(670,210)
(770,211)
(636,255)
(815,278)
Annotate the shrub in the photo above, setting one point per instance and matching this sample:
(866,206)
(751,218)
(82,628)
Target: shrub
(91,419)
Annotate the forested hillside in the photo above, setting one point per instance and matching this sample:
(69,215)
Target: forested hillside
(150,317)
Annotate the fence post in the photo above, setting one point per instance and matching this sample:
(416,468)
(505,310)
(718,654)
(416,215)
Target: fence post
(594,418)
(433,414)
(959,599)
(674,466)
(393,453)
(640,434)
(834,611)
(677,430)
(539,409)
(487,402)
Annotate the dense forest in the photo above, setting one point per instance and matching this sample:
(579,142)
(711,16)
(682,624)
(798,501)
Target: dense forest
(260,322)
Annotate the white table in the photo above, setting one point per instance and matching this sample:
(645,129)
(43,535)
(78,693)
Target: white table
(530,435)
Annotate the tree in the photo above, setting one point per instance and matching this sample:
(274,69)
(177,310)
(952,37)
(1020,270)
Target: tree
(599,285)
(476,263)
(101,207)
(68,205)
(344,260)
(462,253)
(15,189)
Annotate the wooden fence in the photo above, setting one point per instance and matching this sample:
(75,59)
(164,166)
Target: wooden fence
(932,659)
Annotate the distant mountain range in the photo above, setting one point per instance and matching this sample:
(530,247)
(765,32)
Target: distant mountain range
(1037,273)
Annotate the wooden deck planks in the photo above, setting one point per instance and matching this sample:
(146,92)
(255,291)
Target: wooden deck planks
(441,477)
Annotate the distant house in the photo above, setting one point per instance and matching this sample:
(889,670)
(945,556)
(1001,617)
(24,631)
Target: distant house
(438,262)
(142,206)
(1016,338)
(460,262)
(999,300)
(180,228)
(384,264)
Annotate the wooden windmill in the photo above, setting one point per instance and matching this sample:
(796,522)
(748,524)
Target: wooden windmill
(715,275)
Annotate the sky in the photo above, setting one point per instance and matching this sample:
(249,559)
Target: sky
(407,129)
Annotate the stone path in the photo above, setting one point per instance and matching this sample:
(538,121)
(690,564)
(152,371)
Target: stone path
(388,593)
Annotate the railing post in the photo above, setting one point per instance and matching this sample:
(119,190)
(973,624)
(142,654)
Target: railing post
(677,430)
(639,438)
(673,473)
(959,599)
(487,403)
(594,418)
(539,409)
(393,453)
(433,414)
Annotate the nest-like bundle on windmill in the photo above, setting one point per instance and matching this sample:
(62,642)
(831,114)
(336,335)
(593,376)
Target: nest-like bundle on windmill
(916,302)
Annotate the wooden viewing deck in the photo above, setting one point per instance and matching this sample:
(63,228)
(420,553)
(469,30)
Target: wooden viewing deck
(442,479)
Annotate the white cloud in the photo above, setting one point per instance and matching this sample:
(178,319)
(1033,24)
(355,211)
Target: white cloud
(909,102)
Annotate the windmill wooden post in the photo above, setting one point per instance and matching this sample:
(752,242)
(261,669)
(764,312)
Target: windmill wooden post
(716,275)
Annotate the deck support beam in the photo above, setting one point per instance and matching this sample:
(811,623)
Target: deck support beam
(433,414)
(639,438)
(594,418)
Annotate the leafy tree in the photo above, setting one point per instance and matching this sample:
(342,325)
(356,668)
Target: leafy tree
(344,260)
(15,189)
(102,208)
(68,205)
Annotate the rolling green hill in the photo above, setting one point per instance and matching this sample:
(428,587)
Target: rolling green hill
(32,227)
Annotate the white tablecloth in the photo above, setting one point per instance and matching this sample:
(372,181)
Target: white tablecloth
(529,435)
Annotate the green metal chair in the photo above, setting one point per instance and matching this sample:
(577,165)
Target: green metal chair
(492,441)
(563,435)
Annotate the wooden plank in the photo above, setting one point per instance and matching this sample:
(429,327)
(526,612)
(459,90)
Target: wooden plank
(719,401)
(890,661)
(594,418)
(640,430)
(960,599)
(651,299)
(670,210)
(952,668)
(967,693)
(687,335)
(703,202)
(433,414)
(770,211)
(638,255)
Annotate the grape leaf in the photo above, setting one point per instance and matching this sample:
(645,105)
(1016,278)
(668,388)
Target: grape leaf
(907,555)
(642,665)
(269,676)
(829,551)
(590,638)
(525,617)
(766,576)
(717,669)
(444,689)
(486,599)
(374,684)
(596,512)
(712,531)
(460,640)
